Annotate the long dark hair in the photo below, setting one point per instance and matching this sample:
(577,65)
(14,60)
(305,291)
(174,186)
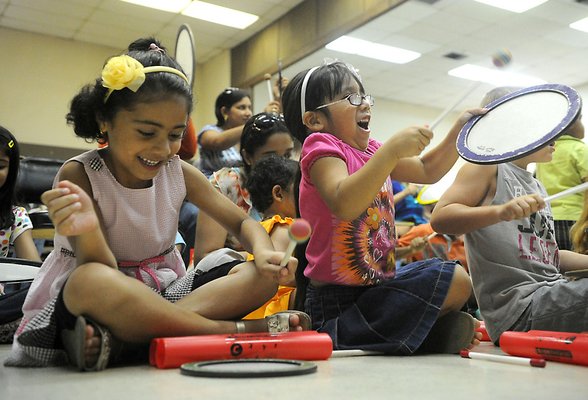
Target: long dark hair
(9,146)
(89,103)
(324,84)
(227,98)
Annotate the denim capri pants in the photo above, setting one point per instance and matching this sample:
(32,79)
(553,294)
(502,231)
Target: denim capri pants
(393,317)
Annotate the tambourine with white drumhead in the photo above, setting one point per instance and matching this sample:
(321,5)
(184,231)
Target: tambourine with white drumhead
(185,53)
(519,123)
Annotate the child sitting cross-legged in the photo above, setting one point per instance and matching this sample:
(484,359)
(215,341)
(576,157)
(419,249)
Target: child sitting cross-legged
(513,257)
(115,279)
(270,185)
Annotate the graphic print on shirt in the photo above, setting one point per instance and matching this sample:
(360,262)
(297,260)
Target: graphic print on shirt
(363,249)
(536,237)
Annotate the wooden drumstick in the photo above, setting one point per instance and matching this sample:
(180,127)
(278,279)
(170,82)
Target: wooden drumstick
(473,87)
(579,188)
(268,81)
(280,88)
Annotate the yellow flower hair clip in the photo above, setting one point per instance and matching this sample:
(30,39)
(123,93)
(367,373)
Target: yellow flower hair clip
(125,72)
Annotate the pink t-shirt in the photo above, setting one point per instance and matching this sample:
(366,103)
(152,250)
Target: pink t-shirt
(357,252)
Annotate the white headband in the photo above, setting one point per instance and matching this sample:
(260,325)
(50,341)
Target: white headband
(303,92)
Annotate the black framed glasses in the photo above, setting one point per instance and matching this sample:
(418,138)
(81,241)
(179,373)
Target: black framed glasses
(266,121)
(355,99)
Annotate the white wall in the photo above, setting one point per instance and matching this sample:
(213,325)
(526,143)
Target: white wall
(41,74)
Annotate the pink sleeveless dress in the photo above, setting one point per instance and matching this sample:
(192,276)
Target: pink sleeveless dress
(140,226)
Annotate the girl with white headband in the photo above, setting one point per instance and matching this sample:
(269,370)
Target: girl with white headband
(115,275)
(354,292)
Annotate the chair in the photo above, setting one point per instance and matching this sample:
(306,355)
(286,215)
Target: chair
(36,176)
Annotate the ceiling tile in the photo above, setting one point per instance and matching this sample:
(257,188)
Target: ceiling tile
(39,16)
(540,40)
(36,27)
(64,8)
(137,24)
(560,11)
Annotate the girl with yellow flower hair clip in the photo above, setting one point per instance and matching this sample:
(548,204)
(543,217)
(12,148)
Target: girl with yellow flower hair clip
(350,285)
(115,276)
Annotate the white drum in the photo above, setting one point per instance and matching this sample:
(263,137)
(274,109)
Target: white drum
(519,123)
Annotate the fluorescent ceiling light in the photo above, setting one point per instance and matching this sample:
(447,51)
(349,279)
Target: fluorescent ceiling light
(347,44)
(581,25)
(219,15)
(517,6)
(493,76)
(201,10)
(174,6)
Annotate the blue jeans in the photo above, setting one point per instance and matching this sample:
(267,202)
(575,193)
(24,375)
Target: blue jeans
(393,317)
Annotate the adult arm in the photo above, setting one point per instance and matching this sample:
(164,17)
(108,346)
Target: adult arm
(216,141)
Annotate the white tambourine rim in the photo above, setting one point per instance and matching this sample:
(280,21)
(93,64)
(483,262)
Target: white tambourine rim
(574,107)
(185,29)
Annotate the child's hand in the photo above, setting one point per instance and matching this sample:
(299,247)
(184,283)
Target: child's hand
(418,244)
(412,189)
(273,107)
(276,87)
(268,264)
(520,207)
(411,141)
(468,114)
(70,209)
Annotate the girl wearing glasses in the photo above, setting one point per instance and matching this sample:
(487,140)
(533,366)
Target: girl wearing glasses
(354,292)
(263,134)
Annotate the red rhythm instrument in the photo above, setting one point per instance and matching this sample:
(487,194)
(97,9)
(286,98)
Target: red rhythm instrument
(174,351)
(566,347)
(484,332)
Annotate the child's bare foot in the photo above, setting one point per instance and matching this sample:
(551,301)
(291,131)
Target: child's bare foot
(88,345)
(477,335)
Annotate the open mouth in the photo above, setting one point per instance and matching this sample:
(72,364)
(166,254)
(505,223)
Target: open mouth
(149,163)
(365,125)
